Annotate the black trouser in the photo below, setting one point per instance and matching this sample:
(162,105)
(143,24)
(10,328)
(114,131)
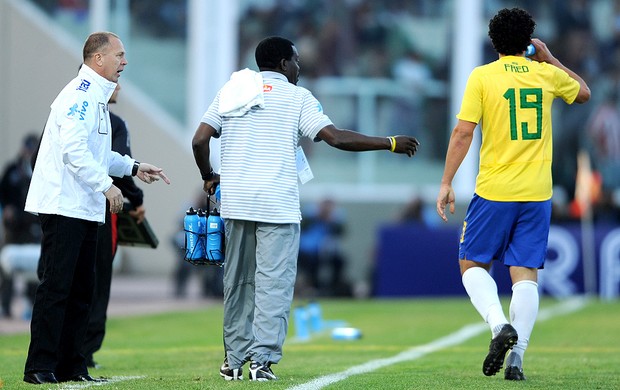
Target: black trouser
(62,302)
(101,296)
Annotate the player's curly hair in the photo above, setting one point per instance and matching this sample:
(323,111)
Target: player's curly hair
(511,31)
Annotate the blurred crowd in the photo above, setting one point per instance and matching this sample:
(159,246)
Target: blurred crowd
(383,39)
(20,233)
(409,41)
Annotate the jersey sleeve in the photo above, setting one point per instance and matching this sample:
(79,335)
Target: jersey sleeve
(471,105)
(312,118)
(567,87)
(212,116)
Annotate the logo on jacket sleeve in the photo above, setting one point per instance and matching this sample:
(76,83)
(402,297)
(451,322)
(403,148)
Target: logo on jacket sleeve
(73,110)
(84,84)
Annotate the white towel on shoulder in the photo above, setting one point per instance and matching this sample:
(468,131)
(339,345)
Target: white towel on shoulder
(243,91)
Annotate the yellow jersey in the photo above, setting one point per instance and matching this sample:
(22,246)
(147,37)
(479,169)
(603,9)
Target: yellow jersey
(511,99)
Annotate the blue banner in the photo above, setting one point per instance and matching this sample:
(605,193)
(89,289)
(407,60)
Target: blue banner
(417,260)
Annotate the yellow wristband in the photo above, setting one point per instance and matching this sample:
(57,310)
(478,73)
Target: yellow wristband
(392,143)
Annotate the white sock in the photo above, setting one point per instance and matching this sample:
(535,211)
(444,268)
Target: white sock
(523,313)
(482,291)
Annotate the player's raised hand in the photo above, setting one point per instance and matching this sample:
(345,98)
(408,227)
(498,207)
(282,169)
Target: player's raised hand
(543,54)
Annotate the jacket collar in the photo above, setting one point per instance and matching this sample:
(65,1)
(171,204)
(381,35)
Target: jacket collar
(106,85)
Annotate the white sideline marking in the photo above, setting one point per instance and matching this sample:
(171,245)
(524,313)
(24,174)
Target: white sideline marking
(110,381)
(465,333)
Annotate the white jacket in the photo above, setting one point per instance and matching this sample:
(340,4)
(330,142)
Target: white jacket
(75,157)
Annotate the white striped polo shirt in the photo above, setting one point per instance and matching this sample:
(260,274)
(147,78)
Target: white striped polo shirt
(258,172)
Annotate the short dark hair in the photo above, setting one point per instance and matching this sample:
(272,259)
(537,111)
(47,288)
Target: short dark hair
(511,31)
(95,42)
(271,50)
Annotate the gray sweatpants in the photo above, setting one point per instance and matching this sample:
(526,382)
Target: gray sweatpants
(259,278)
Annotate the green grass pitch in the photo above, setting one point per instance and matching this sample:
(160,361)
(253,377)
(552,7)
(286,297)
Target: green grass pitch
(183,350)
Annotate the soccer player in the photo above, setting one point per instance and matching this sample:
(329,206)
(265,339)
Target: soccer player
(508,218)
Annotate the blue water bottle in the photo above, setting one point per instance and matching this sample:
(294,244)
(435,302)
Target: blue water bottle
(218,194)
(530,51)
(316,320)
(302,328)
(202,231)
(215,237)
(191,225)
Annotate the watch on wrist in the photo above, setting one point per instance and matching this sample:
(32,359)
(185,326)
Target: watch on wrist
(136,166)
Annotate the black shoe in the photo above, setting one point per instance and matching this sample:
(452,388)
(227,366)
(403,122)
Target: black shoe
(85,378)
(230,374)
(514,373)
(505,340)
(261,373)
(39,378)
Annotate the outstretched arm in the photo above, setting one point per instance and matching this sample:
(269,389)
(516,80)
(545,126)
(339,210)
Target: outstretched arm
(146,172)
(356,142)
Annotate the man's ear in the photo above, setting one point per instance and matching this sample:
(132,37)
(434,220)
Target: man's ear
(282,64)
(98,57)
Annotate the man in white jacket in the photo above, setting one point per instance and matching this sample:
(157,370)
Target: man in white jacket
(69,186)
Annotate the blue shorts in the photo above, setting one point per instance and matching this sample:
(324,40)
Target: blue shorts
(514,233)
